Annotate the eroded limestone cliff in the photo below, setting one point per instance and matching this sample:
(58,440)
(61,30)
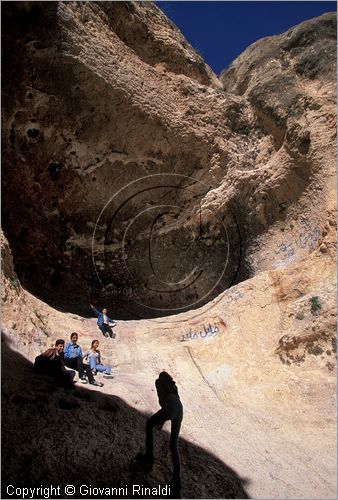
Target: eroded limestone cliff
(134,177)
(99,95)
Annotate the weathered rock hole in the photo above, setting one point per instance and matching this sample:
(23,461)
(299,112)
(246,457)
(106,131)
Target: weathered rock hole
(33,133)
(54,170)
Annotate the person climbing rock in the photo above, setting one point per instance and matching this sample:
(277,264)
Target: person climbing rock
(103,321)
(51,363)
(73,359)
(95,363)
(171,409)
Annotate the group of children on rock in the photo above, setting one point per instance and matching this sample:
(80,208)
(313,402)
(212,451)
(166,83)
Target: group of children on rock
(54,361)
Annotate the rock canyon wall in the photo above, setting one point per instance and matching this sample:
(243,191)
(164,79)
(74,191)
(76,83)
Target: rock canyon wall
(201,211)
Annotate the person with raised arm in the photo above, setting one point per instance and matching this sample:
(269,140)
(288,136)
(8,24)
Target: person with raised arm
(51,363)
(103,322)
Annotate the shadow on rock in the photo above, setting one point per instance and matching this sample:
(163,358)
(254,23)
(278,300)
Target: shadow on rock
(85,437)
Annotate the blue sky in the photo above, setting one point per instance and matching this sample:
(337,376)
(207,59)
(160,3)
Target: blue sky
(220,31)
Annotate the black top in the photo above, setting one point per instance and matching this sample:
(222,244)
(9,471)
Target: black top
(164,388)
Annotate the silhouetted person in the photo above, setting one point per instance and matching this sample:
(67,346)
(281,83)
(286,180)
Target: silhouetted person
(51,363)
(171,409)
(73,359)
(103,321)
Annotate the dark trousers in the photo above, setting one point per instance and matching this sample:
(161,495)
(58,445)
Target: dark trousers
(106,329)
(77,364)
(54,369)
(174,412)
(64,379)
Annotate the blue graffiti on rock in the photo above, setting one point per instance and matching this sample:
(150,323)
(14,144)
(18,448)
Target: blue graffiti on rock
(208,332)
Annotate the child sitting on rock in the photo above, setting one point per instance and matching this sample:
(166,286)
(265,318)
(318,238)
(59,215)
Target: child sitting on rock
(94,359)
(51,363)
(103,322)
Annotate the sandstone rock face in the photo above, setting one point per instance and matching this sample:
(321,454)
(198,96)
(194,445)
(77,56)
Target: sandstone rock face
(107,146)
(134,177)
(98,96)
(288,81)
